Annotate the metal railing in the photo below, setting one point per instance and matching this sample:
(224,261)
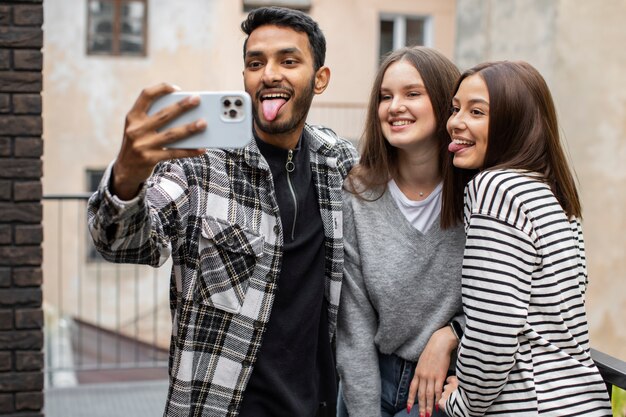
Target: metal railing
(346,119)
(110,317)
(102,320)
(613,370)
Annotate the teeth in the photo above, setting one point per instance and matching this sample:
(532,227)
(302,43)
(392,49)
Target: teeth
(276,95)
(401,123)
(462,142)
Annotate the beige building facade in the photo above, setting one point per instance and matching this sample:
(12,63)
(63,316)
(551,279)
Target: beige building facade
(197,44)
(578,46)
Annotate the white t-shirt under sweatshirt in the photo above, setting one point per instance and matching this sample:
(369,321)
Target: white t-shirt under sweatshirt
(421,214)
(400,285)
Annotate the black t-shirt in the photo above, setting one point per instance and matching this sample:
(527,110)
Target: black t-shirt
(295,371)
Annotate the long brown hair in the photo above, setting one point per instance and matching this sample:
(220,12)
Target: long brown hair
(523,128)
(379,159)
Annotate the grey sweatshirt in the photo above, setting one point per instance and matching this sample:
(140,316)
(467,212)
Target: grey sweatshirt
(399,287)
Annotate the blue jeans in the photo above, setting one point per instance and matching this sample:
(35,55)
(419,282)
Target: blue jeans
(395,378)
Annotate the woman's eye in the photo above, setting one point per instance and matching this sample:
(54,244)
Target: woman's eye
(384,97)
(454,109)
(477,112)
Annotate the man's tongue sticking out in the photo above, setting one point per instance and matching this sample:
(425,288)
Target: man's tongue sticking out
(271,107)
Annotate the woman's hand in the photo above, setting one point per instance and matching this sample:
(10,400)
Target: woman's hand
(431,371)
(451,385)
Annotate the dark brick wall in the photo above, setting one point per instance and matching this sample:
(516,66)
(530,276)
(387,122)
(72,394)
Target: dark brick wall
(21,233)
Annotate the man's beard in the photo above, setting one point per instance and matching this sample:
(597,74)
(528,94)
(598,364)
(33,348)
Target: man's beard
(300,107)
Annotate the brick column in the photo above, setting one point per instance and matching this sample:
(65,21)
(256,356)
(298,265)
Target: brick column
(21,233)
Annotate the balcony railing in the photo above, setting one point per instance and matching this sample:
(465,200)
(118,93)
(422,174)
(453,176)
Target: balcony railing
(108,321)
(104,321)
(612,369)
(346,119)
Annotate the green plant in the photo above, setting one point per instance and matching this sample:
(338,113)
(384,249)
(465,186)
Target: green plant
(618,402)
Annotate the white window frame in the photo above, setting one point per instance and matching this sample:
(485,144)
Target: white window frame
(399,28)
(116,30)
(92,174)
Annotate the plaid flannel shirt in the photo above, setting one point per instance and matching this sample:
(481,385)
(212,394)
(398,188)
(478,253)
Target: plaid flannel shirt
(217,216)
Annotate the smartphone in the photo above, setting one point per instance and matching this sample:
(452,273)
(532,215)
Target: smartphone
(228,115)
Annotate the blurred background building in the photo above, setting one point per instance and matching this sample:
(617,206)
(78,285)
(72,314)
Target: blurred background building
(99,54)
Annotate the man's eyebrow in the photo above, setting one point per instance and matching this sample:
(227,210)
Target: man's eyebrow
(253,53)
(287,51)
(284,51)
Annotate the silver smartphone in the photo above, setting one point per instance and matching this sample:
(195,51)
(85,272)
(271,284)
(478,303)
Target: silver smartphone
(228,115)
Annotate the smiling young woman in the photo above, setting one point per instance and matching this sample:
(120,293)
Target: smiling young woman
(403,243)
(469,123)
(525,349)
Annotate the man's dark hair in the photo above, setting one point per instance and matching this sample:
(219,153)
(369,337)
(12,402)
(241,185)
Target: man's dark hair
(294,19)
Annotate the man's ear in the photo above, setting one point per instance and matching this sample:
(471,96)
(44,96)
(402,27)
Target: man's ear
(322,78)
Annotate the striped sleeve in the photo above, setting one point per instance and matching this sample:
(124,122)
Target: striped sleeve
(583,277)
(497,270)
(525,351)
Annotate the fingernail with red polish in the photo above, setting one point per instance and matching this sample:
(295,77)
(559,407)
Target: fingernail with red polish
(408,409)
(427,414)
(437,407)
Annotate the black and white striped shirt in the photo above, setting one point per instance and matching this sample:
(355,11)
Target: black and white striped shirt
(525,351)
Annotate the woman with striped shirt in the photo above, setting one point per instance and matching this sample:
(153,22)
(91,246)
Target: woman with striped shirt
(525,349)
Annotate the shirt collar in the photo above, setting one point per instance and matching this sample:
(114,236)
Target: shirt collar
(252,155)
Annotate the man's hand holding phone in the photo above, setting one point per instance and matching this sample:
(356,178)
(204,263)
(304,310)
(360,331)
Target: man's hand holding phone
(166,124)
(143,146)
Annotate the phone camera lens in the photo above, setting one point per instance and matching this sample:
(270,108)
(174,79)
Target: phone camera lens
(227,103)
(232,113)
(238,103)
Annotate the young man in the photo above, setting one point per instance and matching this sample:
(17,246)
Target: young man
(255,234)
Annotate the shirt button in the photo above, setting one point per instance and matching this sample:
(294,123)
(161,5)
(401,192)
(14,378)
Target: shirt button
(230,241)
(257,325)
(269,277)
(276,229)
(232,407)
(246,363)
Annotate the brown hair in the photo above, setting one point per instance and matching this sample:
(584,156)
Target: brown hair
(523,128)
(379,159)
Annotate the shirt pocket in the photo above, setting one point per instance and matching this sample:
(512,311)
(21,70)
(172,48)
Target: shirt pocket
(228,255)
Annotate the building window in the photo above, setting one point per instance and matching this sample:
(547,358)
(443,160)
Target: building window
(94,176)
(397,31)
(304,5)
(93,180)
(117,27)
